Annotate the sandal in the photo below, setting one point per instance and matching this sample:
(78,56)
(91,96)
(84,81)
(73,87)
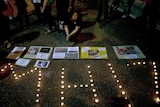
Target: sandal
(48,31)
(9,44)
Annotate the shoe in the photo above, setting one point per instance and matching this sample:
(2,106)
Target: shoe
(48,31)
(125,16)
(54,28)
(9,44)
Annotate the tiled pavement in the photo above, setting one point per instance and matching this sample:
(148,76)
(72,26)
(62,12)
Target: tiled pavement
(87,83)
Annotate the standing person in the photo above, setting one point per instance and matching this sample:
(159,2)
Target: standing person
(127,8)
(22,13)
(102,9)
(63,7)
(4,20)
(47,13)
(72,25)
(37,7)
(151,14)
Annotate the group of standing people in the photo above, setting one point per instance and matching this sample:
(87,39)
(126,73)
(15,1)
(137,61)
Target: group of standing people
(104,8)
(5,17)
(67,16)
(150,14)
(9,10)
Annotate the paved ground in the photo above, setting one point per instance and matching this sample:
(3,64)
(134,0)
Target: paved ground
(85,86)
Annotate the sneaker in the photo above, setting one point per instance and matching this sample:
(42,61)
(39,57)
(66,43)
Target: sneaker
(54,28)
(124,16)
(48,31)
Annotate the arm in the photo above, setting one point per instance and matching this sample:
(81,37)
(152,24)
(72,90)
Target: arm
(67,32)
(74,31)
(14,7)
(66,29)
(44,5)
(70,5)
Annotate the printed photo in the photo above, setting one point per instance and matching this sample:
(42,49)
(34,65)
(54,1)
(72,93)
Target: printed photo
(93,53)
(42,64)
(45,50)
(33,50)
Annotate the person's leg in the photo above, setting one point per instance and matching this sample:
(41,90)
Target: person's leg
(62,13)
(99,9)
(26,19)
(117,4)
(73,38)
(125,9)
(49,18)
(6,32)
(145,16)
(154,17)
(130,3)
(105,6)
(37,7)
(20,19)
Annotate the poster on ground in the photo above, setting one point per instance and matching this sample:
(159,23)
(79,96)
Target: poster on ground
(22,62)
(128,52)
(38,52)
(16,52)
(66,53)
(93,52)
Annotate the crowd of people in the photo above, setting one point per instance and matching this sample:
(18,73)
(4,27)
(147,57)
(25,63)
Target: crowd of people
(68,18)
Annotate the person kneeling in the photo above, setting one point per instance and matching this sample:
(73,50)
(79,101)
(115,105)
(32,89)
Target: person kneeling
(72,25)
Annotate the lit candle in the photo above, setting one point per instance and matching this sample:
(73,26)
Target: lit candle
(69,86)
(123,92)
(62,98)
(89,66)
(62,104)
(96,100)
(120,86)
(37,100)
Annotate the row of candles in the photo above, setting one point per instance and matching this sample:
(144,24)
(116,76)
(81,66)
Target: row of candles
(155,74)
(91,85)
(96,100)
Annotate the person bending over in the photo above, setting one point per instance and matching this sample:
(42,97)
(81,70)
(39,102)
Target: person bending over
(72,25)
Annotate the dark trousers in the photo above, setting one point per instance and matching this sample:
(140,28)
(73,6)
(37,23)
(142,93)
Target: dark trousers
(4,29)
(48,17)
(62,9)
(150,16)
(37,7)
(102,9)
(23,15)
